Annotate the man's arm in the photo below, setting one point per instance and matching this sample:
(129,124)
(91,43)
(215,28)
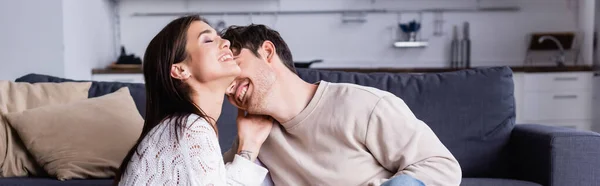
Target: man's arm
(405,145)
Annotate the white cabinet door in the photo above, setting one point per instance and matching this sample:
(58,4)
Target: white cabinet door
(558,105)
(542,82)
(518,79)
(557,98)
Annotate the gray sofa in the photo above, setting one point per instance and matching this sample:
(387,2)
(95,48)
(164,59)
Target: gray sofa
(472,111)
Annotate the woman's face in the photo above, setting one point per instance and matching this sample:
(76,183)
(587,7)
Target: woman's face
(210,60)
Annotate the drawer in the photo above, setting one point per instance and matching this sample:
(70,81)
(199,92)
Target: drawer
(557,105)
(576,124)
(558,81)
(518,90)
(124,78)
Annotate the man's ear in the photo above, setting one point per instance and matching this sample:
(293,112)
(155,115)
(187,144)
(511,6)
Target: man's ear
(270,50)
(180,71)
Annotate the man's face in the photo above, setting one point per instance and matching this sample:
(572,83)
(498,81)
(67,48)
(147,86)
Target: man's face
(250,90)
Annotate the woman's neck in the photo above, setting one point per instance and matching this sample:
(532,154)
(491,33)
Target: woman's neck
(209,100)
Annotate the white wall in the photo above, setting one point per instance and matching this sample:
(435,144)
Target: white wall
(597,28)
(498,38)
(88,36)
(64,38)
(587,15)
(31,38)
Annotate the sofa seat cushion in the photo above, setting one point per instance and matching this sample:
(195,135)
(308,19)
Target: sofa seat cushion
(495,182)
(20,181)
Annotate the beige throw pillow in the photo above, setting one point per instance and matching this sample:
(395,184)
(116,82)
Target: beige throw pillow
(83,139)
(15,97)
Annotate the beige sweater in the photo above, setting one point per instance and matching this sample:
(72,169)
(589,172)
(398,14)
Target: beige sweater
(355,135)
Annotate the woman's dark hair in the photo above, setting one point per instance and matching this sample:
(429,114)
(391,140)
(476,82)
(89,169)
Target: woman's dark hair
(166,97)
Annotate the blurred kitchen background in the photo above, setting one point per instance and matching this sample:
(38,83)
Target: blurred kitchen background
(550,44)
(362,33)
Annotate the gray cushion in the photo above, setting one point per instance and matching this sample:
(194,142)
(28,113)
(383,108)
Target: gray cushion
(495,182)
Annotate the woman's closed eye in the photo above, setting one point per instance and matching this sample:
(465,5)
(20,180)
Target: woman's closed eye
(206,39)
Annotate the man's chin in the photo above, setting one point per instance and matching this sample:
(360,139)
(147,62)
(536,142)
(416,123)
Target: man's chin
(233,103)
(239,107)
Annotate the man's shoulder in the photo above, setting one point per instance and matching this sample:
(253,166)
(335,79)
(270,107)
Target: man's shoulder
(351,89)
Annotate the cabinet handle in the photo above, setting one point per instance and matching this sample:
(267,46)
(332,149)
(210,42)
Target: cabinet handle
(565,79)
(565,97)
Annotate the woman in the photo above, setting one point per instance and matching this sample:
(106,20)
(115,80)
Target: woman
(188,68)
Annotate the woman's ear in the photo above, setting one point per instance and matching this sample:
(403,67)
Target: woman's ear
(180,71)
(270,50)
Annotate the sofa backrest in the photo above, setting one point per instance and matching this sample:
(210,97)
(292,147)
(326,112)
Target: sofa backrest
(98,88)
(472,111)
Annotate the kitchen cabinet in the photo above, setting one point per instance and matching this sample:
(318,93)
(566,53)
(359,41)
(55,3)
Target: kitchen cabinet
(124,78)
(563,99)
(596,103)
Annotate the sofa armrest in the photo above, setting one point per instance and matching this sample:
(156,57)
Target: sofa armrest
(555,156)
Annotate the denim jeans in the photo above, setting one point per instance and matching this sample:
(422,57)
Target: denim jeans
(403,180)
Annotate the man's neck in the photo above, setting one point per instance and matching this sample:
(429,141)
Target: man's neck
(289,97)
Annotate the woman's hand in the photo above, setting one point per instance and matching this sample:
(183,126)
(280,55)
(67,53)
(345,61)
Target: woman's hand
(253,130)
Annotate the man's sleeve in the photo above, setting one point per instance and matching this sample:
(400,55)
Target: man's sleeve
(230,154)
(406,145)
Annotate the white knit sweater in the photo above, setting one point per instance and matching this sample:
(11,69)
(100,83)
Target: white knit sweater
(195,160)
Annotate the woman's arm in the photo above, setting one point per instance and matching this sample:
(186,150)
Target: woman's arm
(207,165)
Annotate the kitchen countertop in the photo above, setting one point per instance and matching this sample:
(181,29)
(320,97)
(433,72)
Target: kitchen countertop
(433,70)
(393,70)
(117,71)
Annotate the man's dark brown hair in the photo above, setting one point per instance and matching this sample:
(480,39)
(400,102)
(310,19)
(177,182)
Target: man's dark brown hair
(252,37)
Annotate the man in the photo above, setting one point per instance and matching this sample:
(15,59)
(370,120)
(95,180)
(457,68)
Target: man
(331,133)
